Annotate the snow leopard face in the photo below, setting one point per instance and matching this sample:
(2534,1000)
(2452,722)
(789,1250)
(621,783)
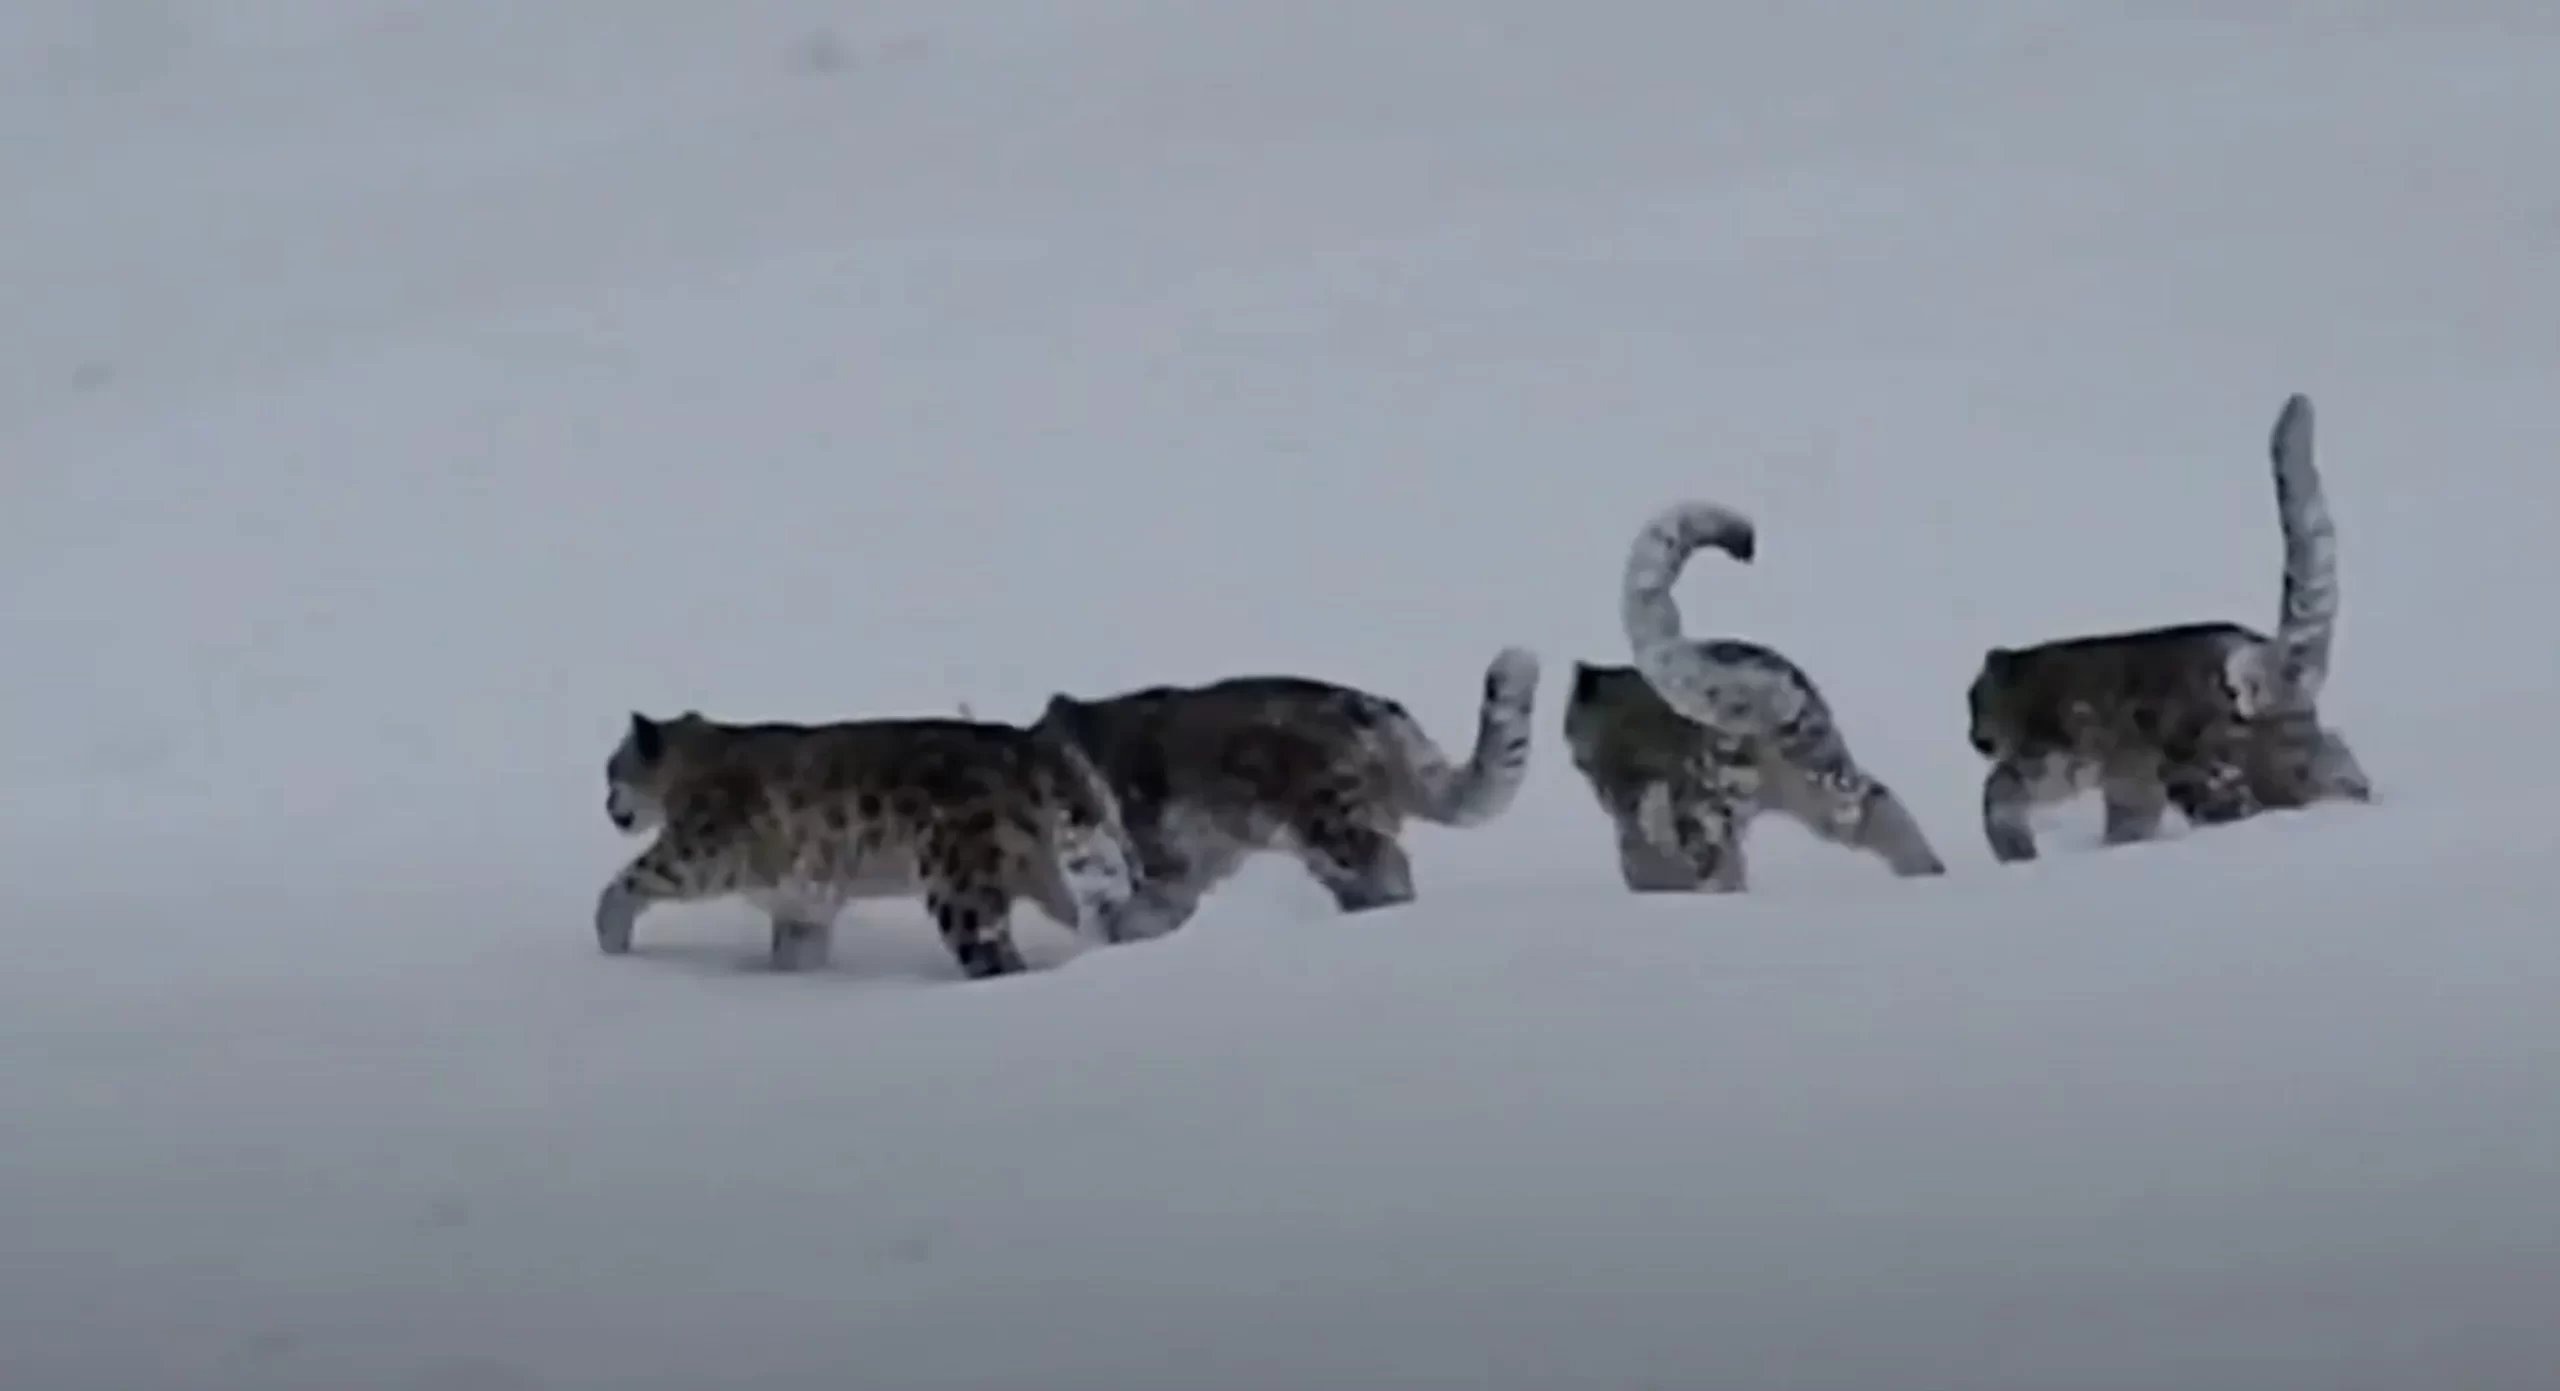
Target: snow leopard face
(635,778)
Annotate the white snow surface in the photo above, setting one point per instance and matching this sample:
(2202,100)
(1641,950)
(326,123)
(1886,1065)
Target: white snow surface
(395,393)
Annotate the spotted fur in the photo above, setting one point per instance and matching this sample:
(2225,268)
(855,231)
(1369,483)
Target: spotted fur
(2215,719)
(1209,775)
(1698,738)
(803,820)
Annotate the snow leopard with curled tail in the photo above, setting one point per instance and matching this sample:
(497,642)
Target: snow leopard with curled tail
(1701,736)
(1208,775)
(804,820)
(2218,720)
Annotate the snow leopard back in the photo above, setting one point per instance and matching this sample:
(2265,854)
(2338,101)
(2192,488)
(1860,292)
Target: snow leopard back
(1208,775)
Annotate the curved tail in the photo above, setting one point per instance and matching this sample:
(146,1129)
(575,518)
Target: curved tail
(2309,620)
(1481,789)
(1675,669)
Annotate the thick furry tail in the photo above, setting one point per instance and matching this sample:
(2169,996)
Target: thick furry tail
(1669,662)
(2310,617)
(1661,551)
(1481,789)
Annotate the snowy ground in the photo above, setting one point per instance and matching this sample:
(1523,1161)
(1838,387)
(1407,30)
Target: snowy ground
(394,394)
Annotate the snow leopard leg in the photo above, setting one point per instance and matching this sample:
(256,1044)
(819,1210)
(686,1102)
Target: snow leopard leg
(2135,799)
(671,871)
(1707,825)
(2295,762)
(803,930)
(800,943)
(1357,859)
(1651,858)
(1845,804)
(2334,774)
(2207,779)
(1081,858)
(2008,804)
(1685,839)
(1361,866)
(969,899)
(1176,868)
(1084,877)
(1161,906)
(975,928)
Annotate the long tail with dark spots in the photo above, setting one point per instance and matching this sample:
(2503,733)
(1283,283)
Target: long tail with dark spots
(1469,794)
(2309,622)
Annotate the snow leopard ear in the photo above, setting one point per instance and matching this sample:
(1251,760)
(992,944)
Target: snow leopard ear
(648,737)
(1999,663)
(1067,716)
(1586,680)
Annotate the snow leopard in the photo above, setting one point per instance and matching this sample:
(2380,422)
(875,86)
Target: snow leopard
(1208,775)
(2215,719)
(804,819)
(1698,738)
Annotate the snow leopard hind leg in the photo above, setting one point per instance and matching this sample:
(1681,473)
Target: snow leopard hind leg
(1724,794)
(1837,799)
(1649,853)
(803,931)
(1684,835)
(2207,779)
(1171,883)
(2135,798)
(1351,848)
(1342,824)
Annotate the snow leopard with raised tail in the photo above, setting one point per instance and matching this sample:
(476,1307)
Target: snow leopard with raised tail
(2218,720)
(803,820)
(1208,775)
(1701,736)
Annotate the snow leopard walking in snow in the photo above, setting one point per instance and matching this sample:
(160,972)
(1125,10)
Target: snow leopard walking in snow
(2218,720)
(1700,737)
(804,820)
(1208,775)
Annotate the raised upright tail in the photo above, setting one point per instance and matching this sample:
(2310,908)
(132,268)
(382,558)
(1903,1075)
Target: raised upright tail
(1480,789)
(2310,617)
(1670,664)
